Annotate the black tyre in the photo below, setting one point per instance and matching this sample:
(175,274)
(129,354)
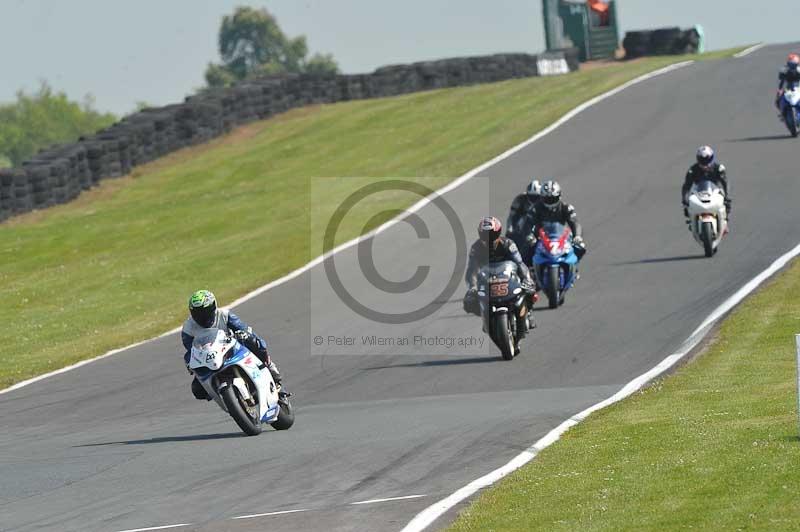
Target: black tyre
(503,336)
(791,121)
(707,236)
(553,285)
(285,417)
(238,410)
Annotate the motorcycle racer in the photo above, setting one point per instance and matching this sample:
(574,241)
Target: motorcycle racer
(787,77)
(492,247)
(204,314)
(551,208)
(522,205)
(706,168)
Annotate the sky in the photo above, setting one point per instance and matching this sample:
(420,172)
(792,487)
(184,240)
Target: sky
(155,51)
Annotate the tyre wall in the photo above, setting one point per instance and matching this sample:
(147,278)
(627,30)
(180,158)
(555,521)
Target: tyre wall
(60,173)
(666,41)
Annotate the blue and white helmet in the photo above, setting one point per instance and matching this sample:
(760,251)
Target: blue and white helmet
(534,190)
(551,195)
(706,156)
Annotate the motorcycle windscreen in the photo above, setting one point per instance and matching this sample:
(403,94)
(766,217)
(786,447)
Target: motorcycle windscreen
(553,230)
(207,336)
(498,269)
(705,189)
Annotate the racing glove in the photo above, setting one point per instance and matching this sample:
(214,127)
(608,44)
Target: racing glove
(243,336)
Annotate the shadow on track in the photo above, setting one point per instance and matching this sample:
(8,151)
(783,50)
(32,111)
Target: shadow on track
(661,259)
(434,363)
(166,439)
(764,138)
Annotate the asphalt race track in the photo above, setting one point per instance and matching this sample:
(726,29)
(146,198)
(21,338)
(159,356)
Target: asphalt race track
(121,444)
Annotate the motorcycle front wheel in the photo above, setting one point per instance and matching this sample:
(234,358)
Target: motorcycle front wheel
(239,411)
(503,337)
(553,285)
(707,236)
(791,121)
(285,416)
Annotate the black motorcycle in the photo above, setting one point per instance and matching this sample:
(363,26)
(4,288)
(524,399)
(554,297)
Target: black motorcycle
(503,306)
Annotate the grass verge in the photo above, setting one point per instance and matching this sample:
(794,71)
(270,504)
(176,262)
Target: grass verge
(117,265)
(712,447)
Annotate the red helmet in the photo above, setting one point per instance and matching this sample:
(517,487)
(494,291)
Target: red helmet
(489,230)
(793,60)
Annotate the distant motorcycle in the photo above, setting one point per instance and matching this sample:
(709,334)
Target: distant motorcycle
(503,306)
(790,109)
(239,382)
(555,261)
(707,215)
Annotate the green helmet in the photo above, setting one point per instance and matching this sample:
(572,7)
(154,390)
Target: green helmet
(203,308)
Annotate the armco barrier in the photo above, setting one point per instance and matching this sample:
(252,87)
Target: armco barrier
(666,41)
(59,174)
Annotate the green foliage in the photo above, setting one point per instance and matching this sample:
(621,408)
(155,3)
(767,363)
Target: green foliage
(46,117)
(251,44)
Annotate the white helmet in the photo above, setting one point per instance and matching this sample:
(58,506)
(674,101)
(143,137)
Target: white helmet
(706,156)
(551,195)
(534,190)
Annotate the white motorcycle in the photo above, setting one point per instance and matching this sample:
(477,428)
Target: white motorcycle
(707,215)
(790,109)
(239,382)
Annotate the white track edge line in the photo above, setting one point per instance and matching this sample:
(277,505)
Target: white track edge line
(155,528)
(748,51)
(425,518)
(267,514)
(388,499)
(414,208)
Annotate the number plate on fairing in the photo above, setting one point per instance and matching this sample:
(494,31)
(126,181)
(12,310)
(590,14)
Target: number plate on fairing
(498,289)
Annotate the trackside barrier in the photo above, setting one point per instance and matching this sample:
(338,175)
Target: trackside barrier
(60,173)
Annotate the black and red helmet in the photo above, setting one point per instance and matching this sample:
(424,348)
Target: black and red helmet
(489,230)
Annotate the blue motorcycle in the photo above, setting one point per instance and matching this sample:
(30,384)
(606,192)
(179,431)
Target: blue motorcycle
(555,261)
(790,109)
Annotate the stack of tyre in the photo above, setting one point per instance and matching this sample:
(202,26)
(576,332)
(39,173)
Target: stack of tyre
(58,174)
(666,41)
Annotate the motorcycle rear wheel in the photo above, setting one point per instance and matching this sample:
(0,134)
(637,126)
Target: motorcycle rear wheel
(238,411)
(553,285)
(707,236)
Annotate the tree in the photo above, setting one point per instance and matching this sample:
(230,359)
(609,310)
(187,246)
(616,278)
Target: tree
(251,44)
(36,121)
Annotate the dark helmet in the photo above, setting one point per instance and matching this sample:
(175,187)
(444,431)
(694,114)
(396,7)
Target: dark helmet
(551,195)
(534,190)
(705,157)
(489,230)
(203,308)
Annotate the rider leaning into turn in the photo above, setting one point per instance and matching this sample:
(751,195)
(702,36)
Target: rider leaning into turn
(204,314)
(707,168)
(519,213)
(787,77)
(492,247)
(552,209)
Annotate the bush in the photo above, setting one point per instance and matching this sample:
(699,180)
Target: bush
(36,121)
